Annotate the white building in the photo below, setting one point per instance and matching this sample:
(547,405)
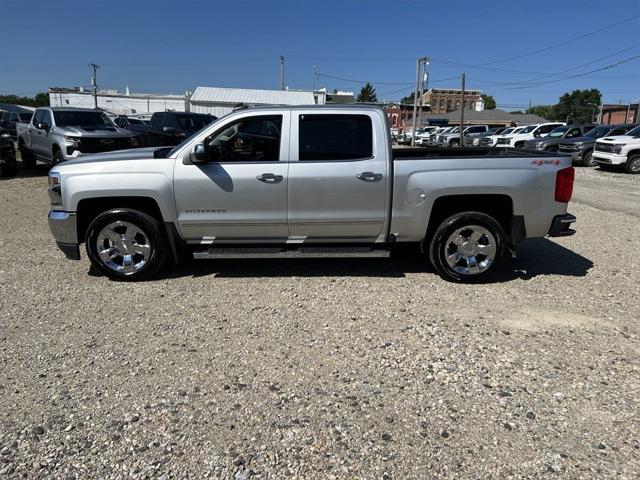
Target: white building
(220,101)
(116,102)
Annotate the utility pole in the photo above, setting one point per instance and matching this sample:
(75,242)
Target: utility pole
(281,72)
(462,113)
(626,115)
(314,78)
(421,61)
(94,83)
(529,109)
(600,109)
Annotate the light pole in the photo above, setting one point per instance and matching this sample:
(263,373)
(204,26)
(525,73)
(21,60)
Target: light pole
(421,61)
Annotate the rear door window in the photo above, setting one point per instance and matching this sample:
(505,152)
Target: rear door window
(335,137)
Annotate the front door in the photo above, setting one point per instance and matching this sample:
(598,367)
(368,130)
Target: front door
(338,178)
(240,196)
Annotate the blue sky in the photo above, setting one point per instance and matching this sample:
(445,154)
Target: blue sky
(172,46)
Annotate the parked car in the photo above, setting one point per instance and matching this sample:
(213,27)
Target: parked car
(558,135)
(432,139)
(423,134)
(123,121)
(452,139)
(490,140)
(619,151)
(8,120)
(474,141)
(7,154)
(171,128)
(581,148)
(56,134)
(305,181)
(530,132)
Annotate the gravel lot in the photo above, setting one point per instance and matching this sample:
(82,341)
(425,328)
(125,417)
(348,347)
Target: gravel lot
(324,369)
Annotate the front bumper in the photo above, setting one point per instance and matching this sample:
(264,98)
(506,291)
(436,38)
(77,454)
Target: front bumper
(609,158)
(64,228)
(561,225)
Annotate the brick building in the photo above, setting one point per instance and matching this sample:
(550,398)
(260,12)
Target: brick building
(444,100)
(612,113)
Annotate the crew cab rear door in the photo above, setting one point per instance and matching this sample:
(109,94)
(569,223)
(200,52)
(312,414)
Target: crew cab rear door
(338,176)
(240,195)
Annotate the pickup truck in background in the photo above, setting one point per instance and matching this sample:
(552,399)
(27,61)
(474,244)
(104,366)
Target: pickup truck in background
(581,148)
(556,136)
(9,120)
(7,154)
(170,128)
(492,139)
(306,181)
(56,134)
(530,132)
(452,139)
(619,151)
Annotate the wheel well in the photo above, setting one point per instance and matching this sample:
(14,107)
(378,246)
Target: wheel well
(90,208)
(633,152)
(518,144)
(55,148)
(499,207)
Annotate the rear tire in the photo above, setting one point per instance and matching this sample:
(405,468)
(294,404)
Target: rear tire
(126,245)
(633,164)
(467,247)
(588,160)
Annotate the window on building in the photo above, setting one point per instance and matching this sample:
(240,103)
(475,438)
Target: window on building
(335,137)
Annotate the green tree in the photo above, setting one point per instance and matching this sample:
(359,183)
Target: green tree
(367,94)
(575,107)
(408,100)
(489,102)
(40,100)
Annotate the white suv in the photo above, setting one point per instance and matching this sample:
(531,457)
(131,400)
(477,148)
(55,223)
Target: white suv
(517,140)
(619,150)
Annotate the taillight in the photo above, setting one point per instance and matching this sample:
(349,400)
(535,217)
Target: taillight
(564,184)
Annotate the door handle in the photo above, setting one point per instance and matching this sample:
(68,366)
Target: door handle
(270,178)
(369,176)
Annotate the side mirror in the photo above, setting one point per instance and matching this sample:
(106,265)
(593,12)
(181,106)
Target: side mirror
(42,126)
(199,154)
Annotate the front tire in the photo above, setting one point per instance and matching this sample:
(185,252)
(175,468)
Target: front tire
(633,164)
(57,157)
(467,247)
(28,159)
(126,244)
(588,160)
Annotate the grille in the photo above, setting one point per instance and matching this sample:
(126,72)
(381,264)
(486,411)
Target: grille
(503,141)
(485,141)
(567,147)
(604,147)
(97,145)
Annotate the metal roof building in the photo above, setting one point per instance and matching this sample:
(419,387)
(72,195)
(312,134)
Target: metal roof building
(220,101)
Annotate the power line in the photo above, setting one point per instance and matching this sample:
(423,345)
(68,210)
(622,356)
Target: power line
(560,44)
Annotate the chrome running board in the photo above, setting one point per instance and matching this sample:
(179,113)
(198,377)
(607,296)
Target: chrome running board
(277,252)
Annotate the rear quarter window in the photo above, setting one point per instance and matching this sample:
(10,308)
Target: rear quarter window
(335,137)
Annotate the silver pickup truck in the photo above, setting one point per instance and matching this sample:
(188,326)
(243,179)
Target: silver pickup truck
(305,181)
(56,134)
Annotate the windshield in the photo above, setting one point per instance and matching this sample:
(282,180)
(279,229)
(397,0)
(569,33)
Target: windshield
(599,131)
(528,129)
(634,133)
(25,117)
(558,132)
(70,118)
(507,131)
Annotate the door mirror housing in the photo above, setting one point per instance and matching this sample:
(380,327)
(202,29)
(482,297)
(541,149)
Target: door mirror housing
(199,154)
(42,126)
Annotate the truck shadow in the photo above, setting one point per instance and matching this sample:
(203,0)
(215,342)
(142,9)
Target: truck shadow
(535,257)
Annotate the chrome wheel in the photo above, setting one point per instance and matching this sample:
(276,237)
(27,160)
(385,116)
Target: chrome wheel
(634,165)
(123,247)
(470,250)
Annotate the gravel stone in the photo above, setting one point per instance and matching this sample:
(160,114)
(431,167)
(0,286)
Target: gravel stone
(298,368)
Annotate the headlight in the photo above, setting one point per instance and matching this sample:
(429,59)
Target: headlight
(476,141)
(55,189)
(578,145)
(5,135)
(618,148)
(69,138)
(540,146)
